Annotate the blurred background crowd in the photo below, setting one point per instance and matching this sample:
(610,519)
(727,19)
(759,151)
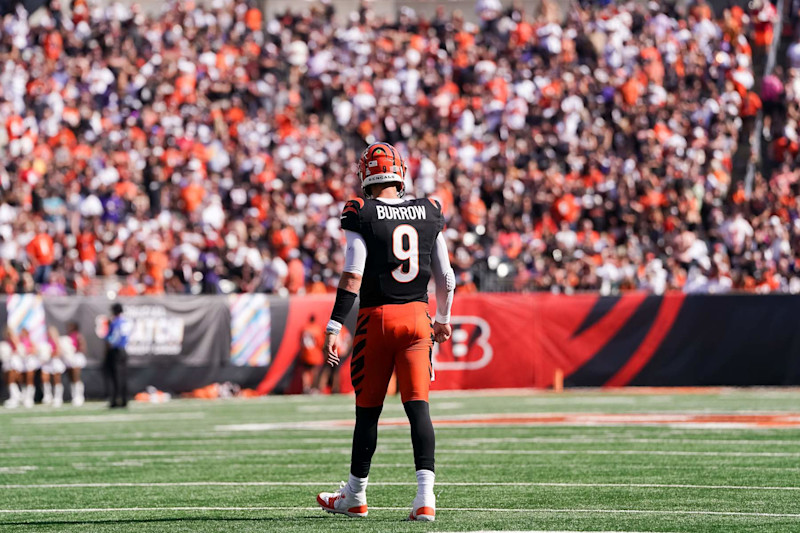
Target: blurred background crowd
(206,149)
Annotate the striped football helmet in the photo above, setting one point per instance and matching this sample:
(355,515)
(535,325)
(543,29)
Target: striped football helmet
(381,163)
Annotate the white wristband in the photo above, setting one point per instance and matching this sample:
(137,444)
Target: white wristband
(442,319)
(333,327)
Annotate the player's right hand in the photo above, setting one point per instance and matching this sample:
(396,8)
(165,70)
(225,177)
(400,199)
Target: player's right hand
(330,350)
(441,332)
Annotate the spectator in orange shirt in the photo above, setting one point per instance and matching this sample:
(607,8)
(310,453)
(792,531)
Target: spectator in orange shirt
(253,19)
(41,252)
(156,262)
(312,339)
(474,211)
(566,208)
(192,196)
(295,280)
(631,90)
(764,17)
(53,45)
(284,239)
(87,253)
(130,287)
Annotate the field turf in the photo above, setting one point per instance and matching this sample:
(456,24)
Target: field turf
(505,461)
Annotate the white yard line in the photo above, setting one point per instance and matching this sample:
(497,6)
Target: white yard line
(626,511)
(324,425)
(460,424)
(183,453)
(141,462)
(343,450)
(623,452)
(40,409)
(153,509)
(22,469)
(195,442)
(446,509)
(122,417)
(393,484)
(444,433)
(160,436)
(631,434)
(204,439)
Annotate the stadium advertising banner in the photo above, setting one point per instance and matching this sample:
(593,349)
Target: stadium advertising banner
(492,344)
(507,340)
(527,340)
(183,330)
(639,339)
(499,340)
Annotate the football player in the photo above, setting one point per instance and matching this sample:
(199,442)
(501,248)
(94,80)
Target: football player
(394,246)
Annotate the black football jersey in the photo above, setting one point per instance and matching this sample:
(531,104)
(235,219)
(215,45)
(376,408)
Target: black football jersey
(400,239)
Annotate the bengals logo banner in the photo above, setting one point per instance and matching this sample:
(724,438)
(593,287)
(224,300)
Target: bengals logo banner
(469,347)
(516,340)
(511,340)
(499,340)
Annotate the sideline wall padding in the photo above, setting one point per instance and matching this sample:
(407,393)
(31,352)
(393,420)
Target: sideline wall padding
(499,340)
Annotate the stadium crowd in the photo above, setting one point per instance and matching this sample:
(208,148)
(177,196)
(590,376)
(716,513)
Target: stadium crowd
(209,150)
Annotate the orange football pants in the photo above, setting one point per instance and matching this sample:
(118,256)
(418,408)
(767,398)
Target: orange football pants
(392,338)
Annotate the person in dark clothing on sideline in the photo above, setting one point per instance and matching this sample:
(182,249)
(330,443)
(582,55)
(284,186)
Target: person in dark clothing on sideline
(116,364)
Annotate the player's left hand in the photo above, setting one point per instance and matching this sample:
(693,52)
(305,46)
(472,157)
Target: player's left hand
(441,332)
(330,350)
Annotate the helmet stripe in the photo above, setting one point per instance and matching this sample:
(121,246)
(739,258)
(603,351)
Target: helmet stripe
(374,166)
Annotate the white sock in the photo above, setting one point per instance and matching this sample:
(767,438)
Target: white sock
(59,391)
(357,485)
(425,480)
(13,390)
(27,396)
(79,388)
(48,389)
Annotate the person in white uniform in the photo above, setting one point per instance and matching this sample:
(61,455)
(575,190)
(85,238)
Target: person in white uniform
(31,362)
(53,367)
(12,361)
(74,346)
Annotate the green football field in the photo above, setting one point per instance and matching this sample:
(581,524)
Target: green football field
(719,460)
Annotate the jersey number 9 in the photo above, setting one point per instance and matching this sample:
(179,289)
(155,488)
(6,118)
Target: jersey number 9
(405,246)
